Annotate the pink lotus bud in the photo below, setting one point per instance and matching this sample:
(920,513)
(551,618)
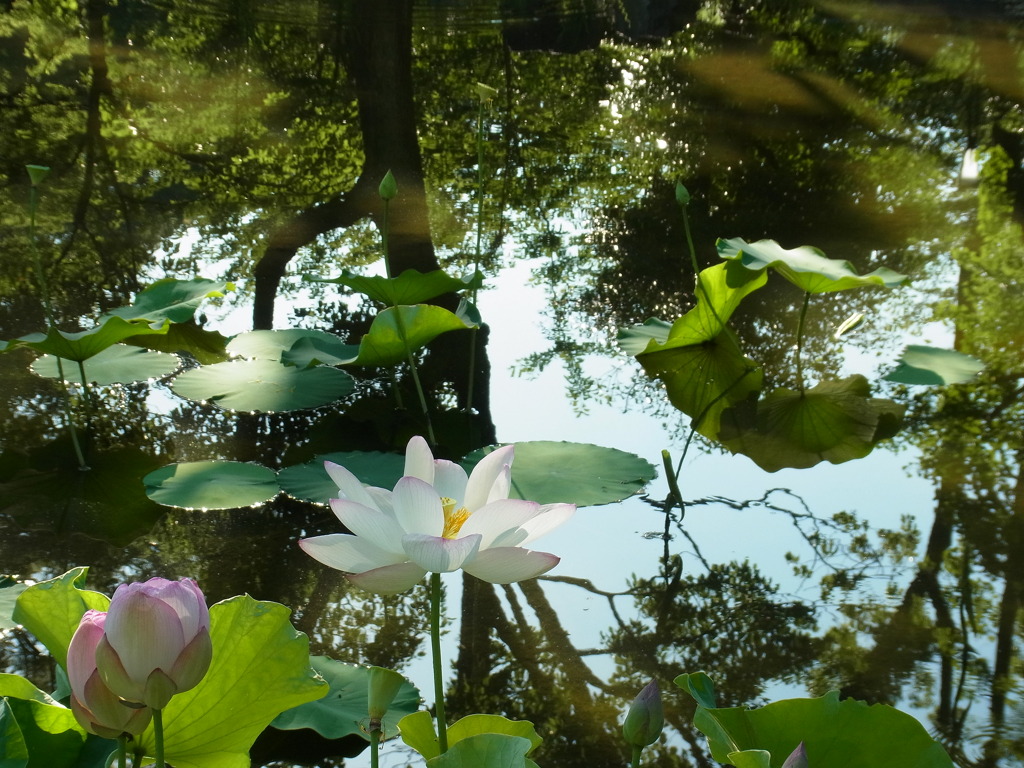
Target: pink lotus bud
(94,705)
(157,641)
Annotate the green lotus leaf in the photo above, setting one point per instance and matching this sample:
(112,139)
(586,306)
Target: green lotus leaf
(207,347)
(705,380)
(579,473)
(931,365)
(635,340)
(343,710)
(51,610)
(10,590)
(315,350)
(119,364)
(485,750)
(272,345)
(410,287)
(751,758)
(211,485)
(173,300)
(260,669)
(310,481)
(835,421)
(34,725)
(85,344)
(806,267)
(263,385)
(473,725)
(836,734)
(397,331)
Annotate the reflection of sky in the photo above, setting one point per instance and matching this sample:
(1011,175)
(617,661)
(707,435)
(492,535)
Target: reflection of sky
(607,544)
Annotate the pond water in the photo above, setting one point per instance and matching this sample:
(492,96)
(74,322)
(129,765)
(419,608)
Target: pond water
(880,556)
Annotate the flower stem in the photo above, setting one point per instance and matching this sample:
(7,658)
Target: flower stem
(635,760)
(158,738)
(435,650)
(374,748)
(122,752)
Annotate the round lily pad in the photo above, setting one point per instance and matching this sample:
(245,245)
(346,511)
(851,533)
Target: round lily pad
(119,364)
(263,385)
(211,485)
(580,473)
(268,345)
(310,481)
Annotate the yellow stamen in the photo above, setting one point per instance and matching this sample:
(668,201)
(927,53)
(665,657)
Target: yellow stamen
(453,518)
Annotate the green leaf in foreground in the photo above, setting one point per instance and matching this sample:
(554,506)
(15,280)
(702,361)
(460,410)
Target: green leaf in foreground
(836,734)
(580,473)
(51,610)
(418,731)
(211,485)
(344,709)
(485,750)
(10,590)
(263,385)
(32,721)
(119,364)
(931,365)
(310,481)
(260,668)
(806,267)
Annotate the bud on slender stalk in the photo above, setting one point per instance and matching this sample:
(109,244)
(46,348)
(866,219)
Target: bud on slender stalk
(381,689)
(682,195)
(156,641)
(37,173)
(645,719)
(388,187)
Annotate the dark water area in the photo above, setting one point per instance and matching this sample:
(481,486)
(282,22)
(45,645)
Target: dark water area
(245,141)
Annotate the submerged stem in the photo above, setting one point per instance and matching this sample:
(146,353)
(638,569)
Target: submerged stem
(800,343)
(435,652)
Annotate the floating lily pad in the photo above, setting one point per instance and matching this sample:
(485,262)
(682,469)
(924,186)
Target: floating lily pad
(310,481)
(86,344)
(172,299)
(580,473)
(263,385)
(806,267)
(211,485)
(319,350)
(343,710)
(931,365)
(271,345)
(410,287)
(207,347)
(835,421)
(836,734)
(119,364)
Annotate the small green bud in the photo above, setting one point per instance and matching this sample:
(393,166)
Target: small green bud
(682,195)
(645,719)
(388,187)
(381,690)
(485,92)
(37,173)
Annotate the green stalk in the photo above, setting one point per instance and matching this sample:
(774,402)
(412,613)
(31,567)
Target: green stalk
(479,243)
(158,738)
(374,747)
(435,651)
(696,268)
(800,343)
(635,760)
(122,752)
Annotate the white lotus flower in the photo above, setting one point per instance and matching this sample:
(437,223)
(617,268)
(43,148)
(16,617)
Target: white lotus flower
(437,519)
